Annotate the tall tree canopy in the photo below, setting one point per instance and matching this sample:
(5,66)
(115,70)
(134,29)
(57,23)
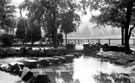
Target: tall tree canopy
(21,28)
(49,13)
(33,33)
(117,13)
(69,22)
(7,11)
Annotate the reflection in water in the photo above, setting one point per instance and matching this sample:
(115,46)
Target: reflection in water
(85,69)
(61,74)
(82,70)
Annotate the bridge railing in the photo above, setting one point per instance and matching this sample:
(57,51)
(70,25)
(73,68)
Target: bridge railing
(93,41)
(84,41)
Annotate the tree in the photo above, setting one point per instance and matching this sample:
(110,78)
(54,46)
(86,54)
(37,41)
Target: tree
(69,22)
(33,33)
(7,11)
(117,13)
(48,13)
(6,39)
(21,28)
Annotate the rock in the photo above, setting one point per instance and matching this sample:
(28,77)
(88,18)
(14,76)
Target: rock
(117,48)
(23,51)
(26,74)
(77,55)
(98,44)
(121,61)
(61,59)
(43,63)
(121,49)
(30,51)
(11,51)
(124,78)
(118,80)
(70,46)
(48,61)
(49,53)
(130,60)
(105,47)
(114,48)
(16,67)
(69,58)
(41,79)
(31,63)
(54,61)
(2,52)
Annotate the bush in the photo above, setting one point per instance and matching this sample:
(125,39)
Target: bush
(86,46)
(6,39)
(70,46)
(106,47)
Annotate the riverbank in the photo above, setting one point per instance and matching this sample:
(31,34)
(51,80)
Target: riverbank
(94,50)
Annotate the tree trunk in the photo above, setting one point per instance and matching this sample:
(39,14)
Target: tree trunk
(126,26)
(127,47)
(122,36)
(66,38)
(54,27)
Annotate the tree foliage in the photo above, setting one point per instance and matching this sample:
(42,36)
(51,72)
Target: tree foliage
(69,22)
(7,11)
(33,33)
(21,28)
(50,14)
(6,39)
(113,12)
(119,13)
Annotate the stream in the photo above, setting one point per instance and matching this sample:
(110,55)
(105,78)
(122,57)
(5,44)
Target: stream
(81,70)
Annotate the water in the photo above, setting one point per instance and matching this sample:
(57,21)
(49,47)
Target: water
(86,68)
(82,70)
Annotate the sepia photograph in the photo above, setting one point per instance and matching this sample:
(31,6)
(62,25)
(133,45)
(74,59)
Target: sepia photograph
(67,41)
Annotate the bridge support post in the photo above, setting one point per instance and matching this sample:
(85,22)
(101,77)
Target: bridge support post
(99,41)
(109,42)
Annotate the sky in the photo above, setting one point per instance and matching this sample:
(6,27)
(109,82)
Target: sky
(16,3)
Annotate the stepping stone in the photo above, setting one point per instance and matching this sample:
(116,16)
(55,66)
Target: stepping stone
(43,63)
(16,67)
(41,79)
(26,75)
(69,58)
(11,51)
(61,59)
(54,61)
(31,63)
(121,62)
